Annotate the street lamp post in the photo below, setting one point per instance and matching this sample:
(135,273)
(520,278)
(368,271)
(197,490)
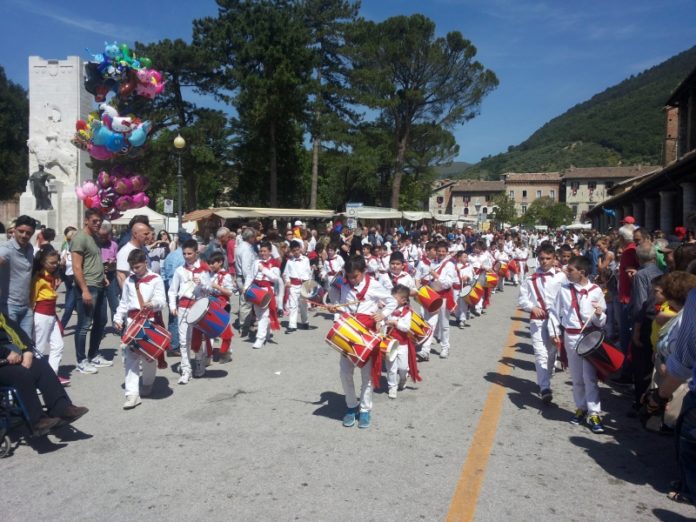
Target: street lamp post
(179,144)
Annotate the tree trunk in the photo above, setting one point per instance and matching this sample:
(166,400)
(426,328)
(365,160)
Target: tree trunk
(273,165)
(316,143)
(399,171)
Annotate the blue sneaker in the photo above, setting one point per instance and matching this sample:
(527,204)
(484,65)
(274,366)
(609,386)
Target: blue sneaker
(579,416)
(364,419)
(349,417)
(595,424)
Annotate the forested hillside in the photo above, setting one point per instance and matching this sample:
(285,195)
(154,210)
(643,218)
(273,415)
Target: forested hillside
(623,125)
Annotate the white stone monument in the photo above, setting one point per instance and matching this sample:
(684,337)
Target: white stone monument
(57,99)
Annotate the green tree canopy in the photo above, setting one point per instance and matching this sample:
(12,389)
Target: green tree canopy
(14,133)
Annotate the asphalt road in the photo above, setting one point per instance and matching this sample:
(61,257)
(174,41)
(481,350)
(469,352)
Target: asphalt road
(261,438)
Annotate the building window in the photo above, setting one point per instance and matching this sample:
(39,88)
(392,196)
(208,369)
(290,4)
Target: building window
(512,194)
(484,210)
(591,185)
(608,184)
(440,199)
(439,211)
(466,211)
(524,193)
(538,193)
(524,209)
(575,210)
(552,194)
(466,199)
(574,185)
(590,207)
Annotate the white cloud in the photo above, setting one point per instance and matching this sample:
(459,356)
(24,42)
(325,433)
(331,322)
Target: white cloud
(106,29)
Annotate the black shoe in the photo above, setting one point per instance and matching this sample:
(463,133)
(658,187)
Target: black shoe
(290,330)
(72,413)
(44,425)
(303,326)
(546,396)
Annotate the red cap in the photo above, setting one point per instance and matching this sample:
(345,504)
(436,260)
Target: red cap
(680,232)
(629,220)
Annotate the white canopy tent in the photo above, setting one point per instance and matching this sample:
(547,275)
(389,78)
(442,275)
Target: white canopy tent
(157,220)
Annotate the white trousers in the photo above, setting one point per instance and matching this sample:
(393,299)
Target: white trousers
(584,376)
(295,304)
(132,363)
(462,310)
(398,367)
(347,370)
(544,353)
(263,316)
(48,339)
(279,289)
(185,332)
(439,322)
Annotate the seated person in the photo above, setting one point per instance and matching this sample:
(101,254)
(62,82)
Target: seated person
(22,371)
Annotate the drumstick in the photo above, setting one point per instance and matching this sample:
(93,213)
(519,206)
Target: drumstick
(349,303)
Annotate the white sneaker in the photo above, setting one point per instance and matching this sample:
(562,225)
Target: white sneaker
(185,378)
(131,402)
(392,393)
(461,325)
(444,353)
(101,362)
(86,367)
(258,345)
(145,391)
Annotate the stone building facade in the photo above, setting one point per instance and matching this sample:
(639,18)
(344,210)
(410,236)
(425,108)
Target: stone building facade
(525,187)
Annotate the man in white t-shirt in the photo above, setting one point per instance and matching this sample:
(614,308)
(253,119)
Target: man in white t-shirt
(139,236)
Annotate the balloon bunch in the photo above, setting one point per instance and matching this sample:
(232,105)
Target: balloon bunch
(111,134)
(114,192)
(119,70)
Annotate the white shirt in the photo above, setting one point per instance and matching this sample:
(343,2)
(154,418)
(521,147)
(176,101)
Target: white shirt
(403,278)
(447,272)
(375,296)
(265,271)
(332,267)
(548,284)
(151,291)
(562,312)
(297,268)
(122,257)
(183,284)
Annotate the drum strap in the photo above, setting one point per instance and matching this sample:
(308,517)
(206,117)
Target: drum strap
(576,305)
(537,292)
(156,316)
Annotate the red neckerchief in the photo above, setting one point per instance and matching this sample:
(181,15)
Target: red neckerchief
(542,276)
(221,275)
(360,296)
(575,302)
(426,261)
(202,267)
(439,269)
(395,278)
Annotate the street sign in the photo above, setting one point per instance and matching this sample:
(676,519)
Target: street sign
(168,206)
(352,214)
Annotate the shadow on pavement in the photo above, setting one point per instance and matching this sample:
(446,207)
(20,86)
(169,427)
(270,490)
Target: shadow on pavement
(522,319)
(669,516)
(214,374)
(333,405)
(524,395)
(627,451)
(161,389)
(517,363)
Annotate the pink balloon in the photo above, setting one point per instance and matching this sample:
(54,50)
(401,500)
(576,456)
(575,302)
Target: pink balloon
(80,193)
(123,186)
(139,200)
(123,203)
(89,188)
(104,179)
(93,202)
(100,152)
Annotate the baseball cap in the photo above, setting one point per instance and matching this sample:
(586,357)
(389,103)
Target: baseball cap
(298,223)
(629,220)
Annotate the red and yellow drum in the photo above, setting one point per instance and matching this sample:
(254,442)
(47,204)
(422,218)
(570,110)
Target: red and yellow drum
(429,299)
(472,294)
(491,279)
(389,347)
(420,329)
(513,267)
(501,268)
(350,338)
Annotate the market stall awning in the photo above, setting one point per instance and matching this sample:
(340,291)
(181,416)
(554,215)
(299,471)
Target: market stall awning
(258,213)
(156,219)
(373,213)
(417,216)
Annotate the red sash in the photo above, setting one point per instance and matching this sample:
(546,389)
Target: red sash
(272,305)
(187,302)
(405,338)
(368,322)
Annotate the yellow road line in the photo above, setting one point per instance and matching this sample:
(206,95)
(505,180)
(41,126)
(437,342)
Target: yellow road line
(466,494)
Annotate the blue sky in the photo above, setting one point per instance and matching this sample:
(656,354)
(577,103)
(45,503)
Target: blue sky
(548,54)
